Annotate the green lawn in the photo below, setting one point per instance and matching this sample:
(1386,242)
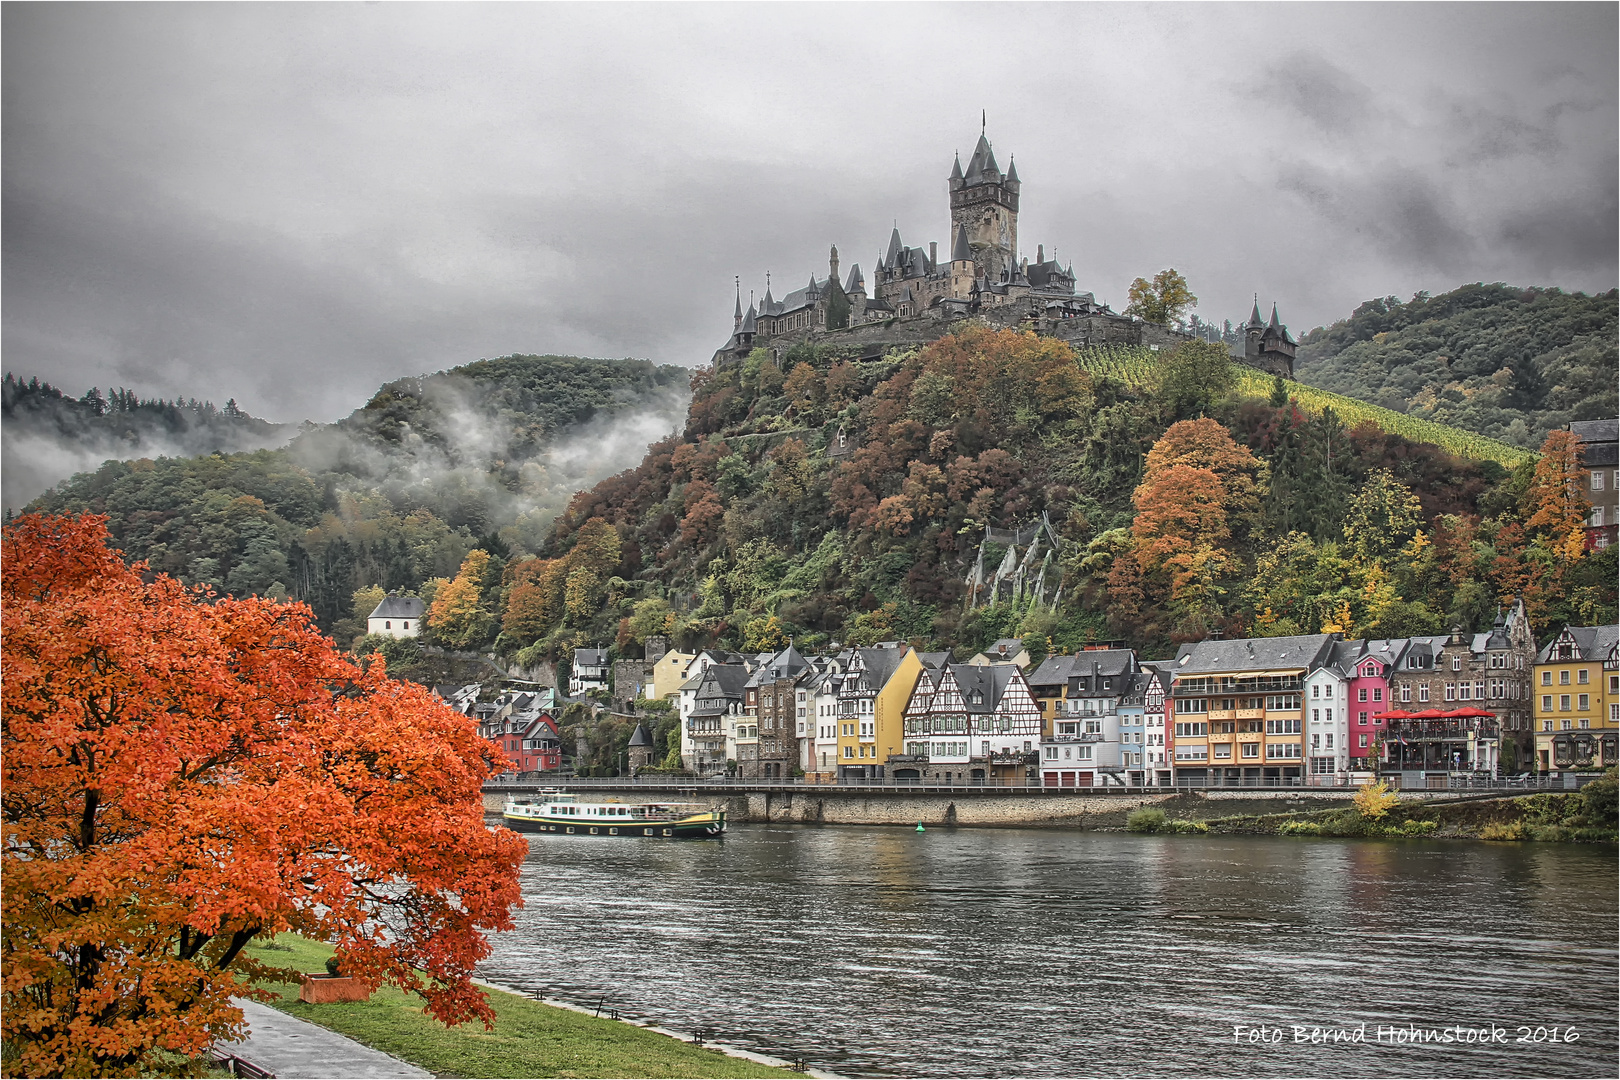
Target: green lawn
(529,1039)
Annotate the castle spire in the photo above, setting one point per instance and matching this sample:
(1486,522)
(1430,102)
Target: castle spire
(956,169)
(960,252)
(736,322)
(1254,316)
(1012,171)
(1273,315)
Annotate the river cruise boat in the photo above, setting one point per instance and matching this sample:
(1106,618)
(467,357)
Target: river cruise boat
(560,812)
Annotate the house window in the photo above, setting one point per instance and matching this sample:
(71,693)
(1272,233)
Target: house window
(1563,677)
(1251,749)
(1361,695)
(1456,663)
(1361,719)
(1364,742)
(1423,692)
(387,625)
(1378,693)
(1566,725)
(1316,691)
(1330,740)
(1546,703)
(405,625)
(1546,678)
(1563,703)
(1597,481)
(1585,723)
(1584,702)
(849,751)
(1581,676)
(1406,694)
(1451,691)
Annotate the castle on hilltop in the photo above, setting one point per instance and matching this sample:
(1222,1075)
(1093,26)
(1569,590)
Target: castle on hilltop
(916,297)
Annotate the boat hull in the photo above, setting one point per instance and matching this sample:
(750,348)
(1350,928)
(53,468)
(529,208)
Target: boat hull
(697,827)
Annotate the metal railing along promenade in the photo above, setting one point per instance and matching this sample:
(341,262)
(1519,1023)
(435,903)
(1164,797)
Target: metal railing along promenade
(723,785)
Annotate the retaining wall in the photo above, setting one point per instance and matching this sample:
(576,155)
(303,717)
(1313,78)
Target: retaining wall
(823,806)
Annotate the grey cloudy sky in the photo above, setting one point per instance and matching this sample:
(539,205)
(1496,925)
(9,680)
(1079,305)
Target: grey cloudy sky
(292,203)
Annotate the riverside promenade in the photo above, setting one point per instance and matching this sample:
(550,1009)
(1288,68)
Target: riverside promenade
(787,802)
(284,1046)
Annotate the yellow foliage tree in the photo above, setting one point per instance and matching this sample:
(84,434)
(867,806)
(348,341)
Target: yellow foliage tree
(457,616)
(1373,801)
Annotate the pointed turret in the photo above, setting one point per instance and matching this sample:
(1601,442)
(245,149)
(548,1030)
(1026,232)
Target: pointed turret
(893,256)
(1012,171)
(1254,316)
(1273,324)
(855,284)
(956,169)
(832,266)
(960,252)
(736,320)
(750,320)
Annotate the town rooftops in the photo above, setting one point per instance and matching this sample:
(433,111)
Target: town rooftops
(640,737)
(1591,643)
(398,607)
(1257,656)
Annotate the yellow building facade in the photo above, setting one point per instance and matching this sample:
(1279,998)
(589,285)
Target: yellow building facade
(1576,698)
(668,673)
(872,709)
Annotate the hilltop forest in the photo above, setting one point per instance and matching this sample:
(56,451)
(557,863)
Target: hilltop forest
(394,495)
(1510,363)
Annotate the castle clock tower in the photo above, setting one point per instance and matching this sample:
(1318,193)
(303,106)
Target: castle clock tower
(984,204)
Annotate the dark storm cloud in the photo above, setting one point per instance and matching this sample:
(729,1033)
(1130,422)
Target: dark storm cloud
(291,204)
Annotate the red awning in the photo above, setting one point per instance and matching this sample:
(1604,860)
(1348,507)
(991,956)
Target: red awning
(1393,714)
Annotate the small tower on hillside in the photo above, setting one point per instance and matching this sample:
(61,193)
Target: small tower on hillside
(640,749)
(1268,346)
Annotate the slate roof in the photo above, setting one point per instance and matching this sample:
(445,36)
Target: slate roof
(398,607)
(641,737)
(1252,654)
(960,252)
(855,283)
(1593,643)
(590,657)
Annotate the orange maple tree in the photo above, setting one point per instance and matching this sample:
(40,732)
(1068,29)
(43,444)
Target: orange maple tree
(1557,502)
(184,774)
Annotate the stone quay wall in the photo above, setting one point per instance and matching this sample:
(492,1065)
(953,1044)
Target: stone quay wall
(1068,809)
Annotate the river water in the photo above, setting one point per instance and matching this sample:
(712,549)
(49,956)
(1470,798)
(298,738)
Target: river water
(1013,952)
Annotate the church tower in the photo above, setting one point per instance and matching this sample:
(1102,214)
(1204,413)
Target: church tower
(984,204)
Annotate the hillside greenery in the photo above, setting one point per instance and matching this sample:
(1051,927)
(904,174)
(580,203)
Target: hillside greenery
(1188,502)
(395,495)
(1190,496)
(1509,363)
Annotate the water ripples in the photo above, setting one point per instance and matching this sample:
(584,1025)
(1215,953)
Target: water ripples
(977,952)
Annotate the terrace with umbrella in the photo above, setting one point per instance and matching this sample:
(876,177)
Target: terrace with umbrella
(1450,740)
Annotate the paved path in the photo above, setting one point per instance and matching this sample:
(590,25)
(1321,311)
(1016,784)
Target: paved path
(286,1046)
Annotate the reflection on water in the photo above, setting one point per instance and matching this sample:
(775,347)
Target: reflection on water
(979,952)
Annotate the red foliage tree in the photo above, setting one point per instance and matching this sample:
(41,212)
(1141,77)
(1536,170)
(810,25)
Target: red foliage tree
(183,776)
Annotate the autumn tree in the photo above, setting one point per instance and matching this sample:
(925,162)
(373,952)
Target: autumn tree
(1199,492)
(458,616)
(185,774)
(1556,502)
(1165,299)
